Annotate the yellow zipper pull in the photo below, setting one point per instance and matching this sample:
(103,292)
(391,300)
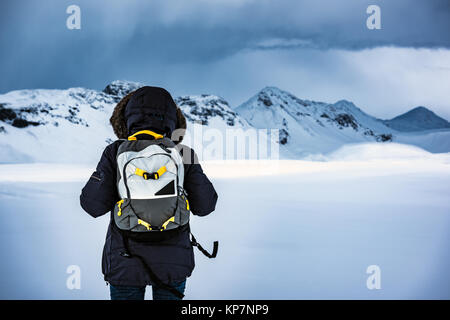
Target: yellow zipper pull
(144,223)
(119,205)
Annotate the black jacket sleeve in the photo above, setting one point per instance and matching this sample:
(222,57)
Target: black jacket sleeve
(201,193)
(99,195)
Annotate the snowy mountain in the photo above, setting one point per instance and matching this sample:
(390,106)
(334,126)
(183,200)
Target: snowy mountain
(309,126)
(209,119)
(72,125)
(54,125)
(417,119)
(207,109)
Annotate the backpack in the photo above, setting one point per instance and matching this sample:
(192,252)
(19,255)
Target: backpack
(150,184)
(154,205)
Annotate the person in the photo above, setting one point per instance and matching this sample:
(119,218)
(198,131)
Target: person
(172,259)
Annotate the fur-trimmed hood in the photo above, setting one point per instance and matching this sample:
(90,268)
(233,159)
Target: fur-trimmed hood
(149,108)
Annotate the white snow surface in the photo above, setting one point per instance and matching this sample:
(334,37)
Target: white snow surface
(291,229)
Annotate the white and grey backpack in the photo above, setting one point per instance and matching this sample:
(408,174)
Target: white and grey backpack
(153,203)
(150,184)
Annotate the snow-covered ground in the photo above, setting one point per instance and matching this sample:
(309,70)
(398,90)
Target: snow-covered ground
(300,229)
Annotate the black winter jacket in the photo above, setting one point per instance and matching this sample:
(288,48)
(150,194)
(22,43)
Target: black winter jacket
(171,260)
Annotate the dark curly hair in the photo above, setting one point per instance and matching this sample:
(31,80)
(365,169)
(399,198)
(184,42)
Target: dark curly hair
(119,123)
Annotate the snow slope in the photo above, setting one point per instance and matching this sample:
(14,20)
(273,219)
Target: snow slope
(311,235)
(437,141)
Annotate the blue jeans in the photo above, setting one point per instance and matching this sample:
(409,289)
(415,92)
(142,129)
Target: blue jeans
(138,293)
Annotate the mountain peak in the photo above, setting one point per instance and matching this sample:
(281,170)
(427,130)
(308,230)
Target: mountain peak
(272,96)
(271,89)
(417,119)
(206,108)
(420,108)
(344,102)
(121,88)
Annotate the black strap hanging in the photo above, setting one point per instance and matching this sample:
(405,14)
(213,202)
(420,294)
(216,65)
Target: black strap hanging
(202,250)
(156,281)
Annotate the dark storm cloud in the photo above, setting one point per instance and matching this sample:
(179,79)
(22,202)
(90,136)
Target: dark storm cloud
(139,39)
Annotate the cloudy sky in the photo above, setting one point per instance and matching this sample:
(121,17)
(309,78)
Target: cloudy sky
(316,49)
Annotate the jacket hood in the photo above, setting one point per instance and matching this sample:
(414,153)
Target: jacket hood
(148,108)
(151,108)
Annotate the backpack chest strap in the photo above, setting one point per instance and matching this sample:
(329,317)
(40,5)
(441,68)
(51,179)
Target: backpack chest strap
(151,175)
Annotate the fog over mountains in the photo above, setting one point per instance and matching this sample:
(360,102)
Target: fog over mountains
(72,125)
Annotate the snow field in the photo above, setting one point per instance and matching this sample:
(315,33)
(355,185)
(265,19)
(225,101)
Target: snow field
(287,230)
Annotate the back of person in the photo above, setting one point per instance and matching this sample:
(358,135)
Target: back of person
(129,265)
